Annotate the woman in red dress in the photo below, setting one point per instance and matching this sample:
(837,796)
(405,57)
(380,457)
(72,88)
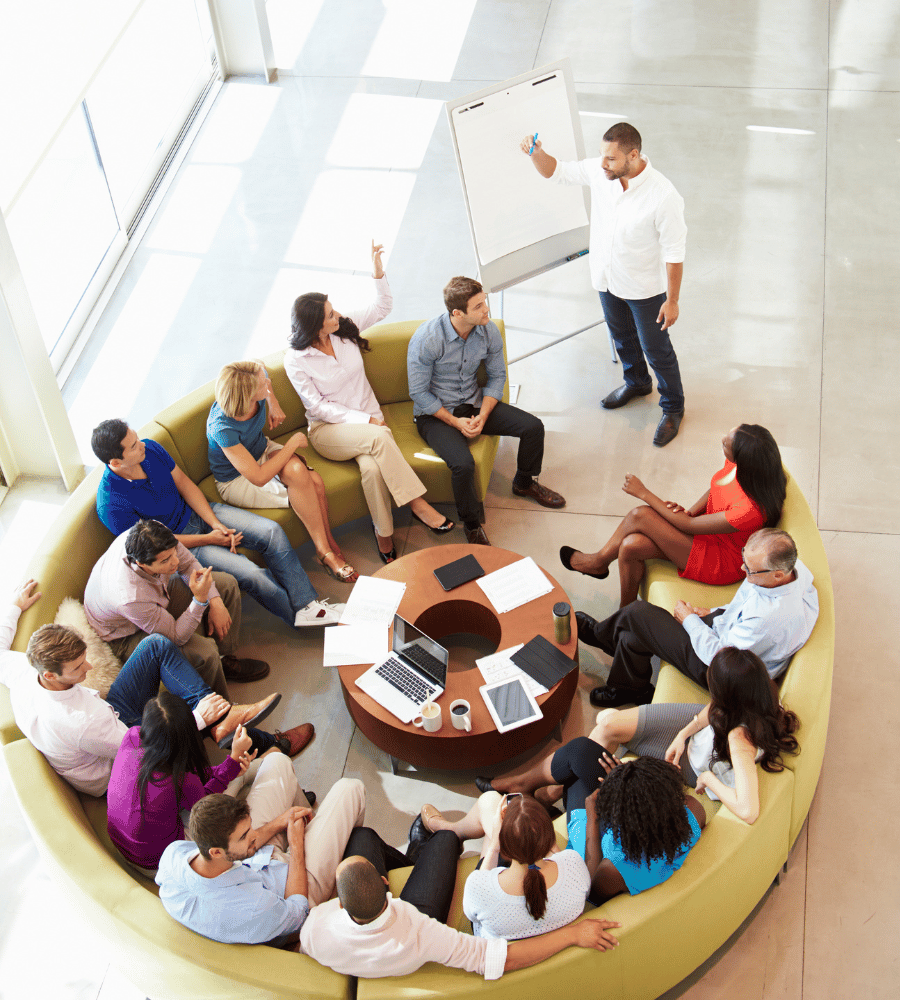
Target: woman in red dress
(704,542)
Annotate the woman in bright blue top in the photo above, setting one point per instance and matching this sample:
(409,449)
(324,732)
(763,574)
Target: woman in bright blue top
(253,471)
(647,819)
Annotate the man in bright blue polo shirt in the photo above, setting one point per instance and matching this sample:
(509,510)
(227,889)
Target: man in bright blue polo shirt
(142,481)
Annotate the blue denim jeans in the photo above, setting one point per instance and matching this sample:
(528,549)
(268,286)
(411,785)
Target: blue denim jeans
(283,588)
(635,332)
(158,660)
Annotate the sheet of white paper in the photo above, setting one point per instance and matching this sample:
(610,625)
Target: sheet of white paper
(354,644)
(373,602)
(515,585)
(500,667)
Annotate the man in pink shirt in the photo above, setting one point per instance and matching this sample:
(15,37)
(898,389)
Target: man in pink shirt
(148,583)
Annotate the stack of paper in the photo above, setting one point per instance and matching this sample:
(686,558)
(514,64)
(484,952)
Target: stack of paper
(515,585)
(499,667)
(373,602)
(346,644)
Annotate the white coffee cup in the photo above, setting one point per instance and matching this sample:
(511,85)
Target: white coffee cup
(461,719)
(429,718)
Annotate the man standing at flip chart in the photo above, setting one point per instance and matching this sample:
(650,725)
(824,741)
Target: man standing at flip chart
(637,259)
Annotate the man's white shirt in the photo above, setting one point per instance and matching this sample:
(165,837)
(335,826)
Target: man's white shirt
(634,233)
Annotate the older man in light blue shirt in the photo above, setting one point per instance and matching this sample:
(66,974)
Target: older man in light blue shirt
(772,615)
(451,409)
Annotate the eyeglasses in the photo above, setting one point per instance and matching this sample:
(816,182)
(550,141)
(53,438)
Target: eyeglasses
(753,572)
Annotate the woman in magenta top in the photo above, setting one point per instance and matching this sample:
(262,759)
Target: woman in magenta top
(160,769)
(706,541)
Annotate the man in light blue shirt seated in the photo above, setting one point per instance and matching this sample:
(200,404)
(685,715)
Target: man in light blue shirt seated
(244,885)
(772,614)
(451,409)
(141,480)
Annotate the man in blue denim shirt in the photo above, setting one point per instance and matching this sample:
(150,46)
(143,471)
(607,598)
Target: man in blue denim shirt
(451,409)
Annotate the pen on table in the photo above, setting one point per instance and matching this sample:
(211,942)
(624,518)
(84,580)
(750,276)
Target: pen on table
(533,141)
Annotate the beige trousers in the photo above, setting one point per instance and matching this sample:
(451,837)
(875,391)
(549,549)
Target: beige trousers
(275,790)
(240,492)
(203,652)
(385,472)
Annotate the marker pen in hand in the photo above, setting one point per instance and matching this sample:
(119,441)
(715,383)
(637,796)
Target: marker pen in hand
(533,141)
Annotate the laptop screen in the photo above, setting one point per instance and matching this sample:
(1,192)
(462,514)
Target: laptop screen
(412,642)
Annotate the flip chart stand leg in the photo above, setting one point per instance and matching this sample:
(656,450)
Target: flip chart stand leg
(612,347)
(559,340)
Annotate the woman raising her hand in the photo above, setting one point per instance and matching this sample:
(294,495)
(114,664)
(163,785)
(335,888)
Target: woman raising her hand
(325,366)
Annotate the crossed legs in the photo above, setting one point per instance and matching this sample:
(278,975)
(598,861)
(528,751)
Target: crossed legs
(642,534)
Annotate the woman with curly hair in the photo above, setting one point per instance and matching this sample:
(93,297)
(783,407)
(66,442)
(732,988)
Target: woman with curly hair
(160,769)
(704,542)
(325,366)
(523,886)
(717,746)
(632,822)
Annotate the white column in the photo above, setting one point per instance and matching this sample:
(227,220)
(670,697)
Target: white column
(243,38)
(35,434)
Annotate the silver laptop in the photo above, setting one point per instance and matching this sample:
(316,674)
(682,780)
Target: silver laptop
(404,679)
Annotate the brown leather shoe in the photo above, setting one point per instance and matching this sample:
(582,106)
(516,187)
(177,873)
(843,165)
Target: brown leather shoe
(477,536)
(292,741)
(667,428)
(241,715)
(545,497)
(244,670)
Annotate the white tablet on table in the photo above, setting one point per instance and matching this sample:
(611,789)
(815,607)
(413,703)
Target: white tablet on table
(510,703)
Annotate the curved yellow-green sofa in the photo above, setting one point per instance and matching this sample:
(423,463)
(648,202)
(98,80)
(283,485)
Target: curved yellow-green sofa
(666,932)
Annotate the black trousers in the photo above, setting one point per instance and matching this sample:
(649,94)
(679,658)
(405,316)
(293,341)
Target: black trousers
(639,631)
(453,447)
(431,882)
(576,766)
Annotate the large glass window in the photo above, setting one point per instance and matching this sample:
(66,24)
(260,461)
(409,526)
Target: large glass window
(68,222)
(62,227)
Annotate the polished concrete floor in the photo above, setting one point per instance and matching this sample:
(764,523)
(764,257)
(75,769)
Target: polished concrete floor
(778,123)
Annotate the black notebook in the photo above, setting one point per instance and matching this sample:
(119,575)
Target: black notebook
(458,572)
(540,659)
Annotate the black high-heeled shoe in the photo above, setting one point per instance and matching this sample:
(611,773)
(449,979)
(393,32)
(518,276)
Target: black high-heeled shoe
(441,529)
(386,557)
(565,557)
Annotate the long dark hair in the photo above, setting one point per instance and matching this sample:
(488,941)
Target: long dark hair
(642,803)
(171,743)
(760,473)
(308,318)
(743,694)
(526,836)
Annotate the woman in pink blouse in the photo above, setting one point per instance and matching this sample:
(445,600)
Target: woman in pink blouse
(706,541)
(325,366)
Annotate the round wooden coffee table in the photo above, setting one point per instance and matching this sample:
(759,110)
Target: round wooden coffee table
(466,609)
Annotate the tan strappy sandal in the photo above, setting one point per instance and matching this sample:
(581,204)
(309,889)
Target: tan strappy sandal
(346,574)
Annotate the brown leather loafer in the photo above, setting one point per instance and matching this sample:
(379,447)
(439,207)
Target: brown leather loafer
(624,394)
(477,536)
(667,428)
(292,741)
(545,497)
(244,670)
(241,715)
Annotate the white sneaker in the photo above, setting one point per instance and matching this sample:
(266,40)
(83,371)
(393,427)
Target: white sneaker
(319,613)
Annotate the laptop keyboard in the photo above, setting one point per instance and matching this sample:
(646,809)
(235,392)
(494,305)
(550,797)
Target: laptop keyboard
(404,680)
